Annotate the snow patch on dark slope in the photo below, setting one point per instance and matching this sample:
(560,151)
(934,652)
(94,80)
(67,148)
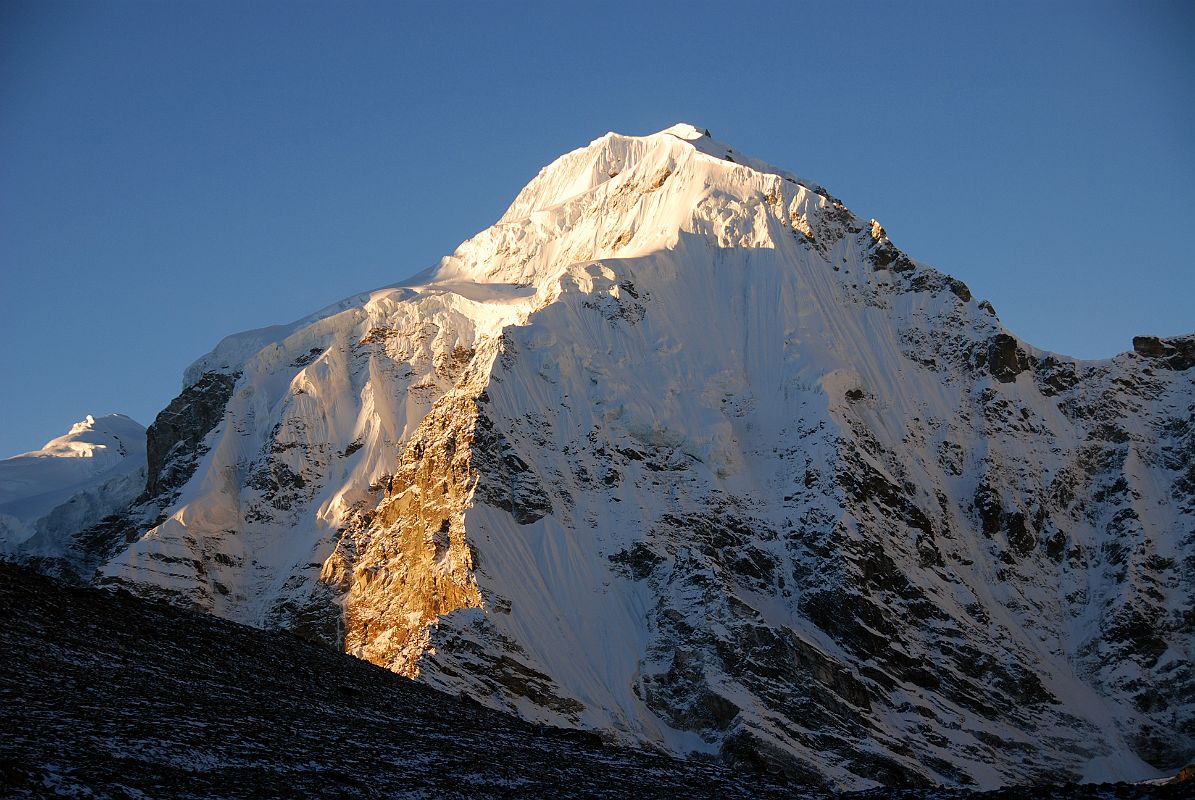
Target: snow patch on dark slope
(683,451)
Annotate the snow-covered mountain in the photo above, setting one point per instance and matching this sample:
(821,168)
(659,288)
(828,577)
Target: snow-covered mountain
(95,469)
(682,450)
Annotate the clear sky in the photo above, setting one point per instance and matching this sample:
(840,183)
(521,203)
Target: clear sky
(172,172)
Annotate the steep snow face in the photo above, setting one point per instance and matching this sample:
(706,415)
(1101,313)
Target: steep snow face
(682,450)
(71,483)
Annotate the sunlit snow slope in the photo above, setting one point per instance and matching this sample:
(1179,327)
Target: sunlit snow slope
(682,450)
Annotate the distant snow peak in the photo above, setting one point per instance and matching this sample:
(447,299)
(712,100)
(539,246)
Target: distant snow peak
(49,496)
(91,435)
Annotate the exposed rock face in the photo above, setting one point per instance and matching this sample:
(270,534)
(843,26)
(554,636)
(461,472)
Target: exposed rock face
(683,451)
(408,562)
(1177,353)
(174,440)
(1006,359)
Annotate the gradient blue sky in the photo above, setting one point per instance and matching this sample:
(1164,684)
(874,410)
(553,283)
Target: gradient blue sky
(172,172)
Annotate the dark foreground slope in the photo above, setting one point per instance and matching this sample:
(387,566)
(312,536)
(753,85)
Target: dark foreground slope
(106,695)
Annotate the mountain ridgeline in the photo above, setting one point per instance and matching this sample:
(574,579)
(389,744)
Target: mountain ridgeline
(684,452)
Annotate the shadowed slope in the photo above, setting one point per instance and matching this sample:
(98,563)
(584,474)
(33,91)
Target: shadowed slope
(107,695)
(119,695)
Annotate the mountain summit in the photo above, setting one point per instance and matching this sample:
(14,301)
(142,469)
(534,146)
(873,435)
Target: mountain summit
(683,451)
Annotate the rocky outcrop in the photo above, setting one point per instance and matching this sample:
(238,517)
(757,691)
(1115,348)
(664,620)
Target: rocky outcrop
(1177,353)
(407,561)
(173,441)
(1005,358)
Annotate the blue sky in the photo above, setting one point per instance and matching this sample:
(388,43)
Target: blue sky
(172,172)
